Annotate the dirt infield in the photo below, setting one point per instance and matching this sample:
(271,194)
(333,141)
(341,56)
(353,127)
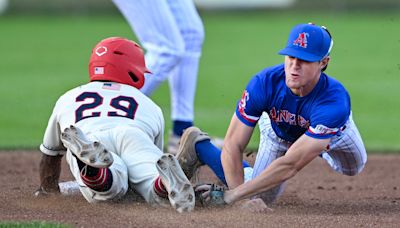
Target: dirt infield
(316,197)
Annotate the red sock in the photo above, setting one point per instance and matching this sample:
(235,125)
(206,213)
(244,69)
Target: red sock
(101,182)
(159,188)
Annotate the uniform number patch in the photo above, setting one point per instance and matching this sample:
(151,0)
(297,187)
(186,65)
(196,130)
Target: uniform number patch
(123,106)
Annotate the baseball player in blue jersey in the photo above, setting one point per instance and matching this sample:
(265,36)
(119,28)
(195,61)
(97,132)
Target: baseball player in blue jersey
(172,33)
(302,113)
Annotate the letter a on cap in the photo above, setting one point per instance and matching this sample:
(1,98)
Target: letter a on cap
(301,40)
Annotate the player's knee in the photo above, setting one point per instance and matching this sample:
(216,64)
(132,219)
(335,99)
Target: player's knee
(354,171)
(193,40)
(172,58)
(350,173)
(162,62)
(361,161)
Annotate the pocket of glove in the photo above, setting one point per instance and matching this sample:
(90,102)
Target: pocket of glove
(210,194)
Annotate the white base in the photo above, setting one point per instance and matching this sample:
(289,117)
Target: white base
(69,188)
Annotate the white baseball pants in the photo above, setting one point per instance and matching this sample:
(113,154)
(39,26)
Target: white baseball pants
(135,157)
(346,154)
(172,33)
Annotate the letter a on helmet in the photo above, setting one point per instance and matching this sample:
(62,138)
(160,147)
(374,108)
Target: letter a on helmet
(119,60)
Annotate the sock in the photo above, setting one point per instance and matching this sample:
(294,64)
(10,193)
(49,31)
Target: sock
(98,179)
(211,156)
(159,188)
(179,126)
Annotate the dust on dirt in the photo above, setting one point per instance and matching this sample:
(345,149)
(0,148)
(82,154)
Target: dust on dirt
(316,197)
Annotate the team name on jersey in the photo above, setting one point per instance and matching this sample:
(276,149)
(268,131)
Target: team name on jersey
(288,117)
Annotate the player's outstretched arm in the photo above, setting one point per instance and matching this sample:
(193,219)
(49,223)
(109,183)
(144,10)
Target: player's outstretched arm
(301,153)
(235,142)
(49,171)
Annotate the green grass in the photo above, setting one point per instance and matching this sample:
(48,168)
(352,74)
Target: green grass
(42,57)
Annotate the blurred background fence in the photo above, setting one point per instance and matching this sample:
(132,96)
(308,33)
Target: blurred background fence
(106,6)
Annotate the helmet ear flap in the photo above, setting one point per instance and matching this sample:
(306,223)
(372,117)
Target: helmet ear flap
(138,81)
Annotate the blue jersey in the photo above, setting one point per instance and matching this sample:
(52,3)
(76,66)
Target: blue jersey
(320,114)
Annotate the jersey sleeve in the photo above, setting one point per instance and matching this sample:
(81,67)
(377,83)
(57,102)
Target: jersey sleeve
(250,107)
(329,119)
(52,144)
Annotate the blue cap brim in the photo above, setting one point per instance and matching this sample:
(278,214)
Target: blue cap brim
(300,54)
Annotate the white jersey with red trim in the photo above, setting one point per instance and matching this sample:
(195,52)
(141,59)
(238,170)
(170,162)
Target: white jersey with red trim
(98,106)
(125,121)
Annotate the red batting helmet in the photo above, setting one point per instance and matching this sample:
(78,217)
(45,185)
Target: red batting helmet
(119,60)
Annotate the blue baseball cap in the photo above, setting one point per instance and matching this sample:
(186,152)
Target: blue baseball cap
(308,42)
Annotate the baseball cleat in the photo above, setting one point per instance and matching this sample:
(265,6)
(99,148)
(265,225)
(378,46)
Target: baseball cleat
(91,153)
(187,155)
(180,191)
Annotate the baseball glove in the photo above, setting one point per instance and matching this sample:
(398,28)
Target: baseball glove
(210,195)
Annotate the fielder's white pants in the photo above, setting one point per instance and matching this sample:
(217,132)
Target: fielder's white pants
(172,33)
(346,153)
(135,157)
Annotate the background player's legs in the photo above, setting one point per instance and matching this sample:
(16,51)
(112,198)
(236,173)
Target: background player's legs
(172,33)
(156,29)
(184,79)
(347,153)
(271,147)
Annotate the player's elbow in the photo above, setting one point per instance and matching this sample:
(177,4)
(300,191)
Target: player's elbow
(232,150)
